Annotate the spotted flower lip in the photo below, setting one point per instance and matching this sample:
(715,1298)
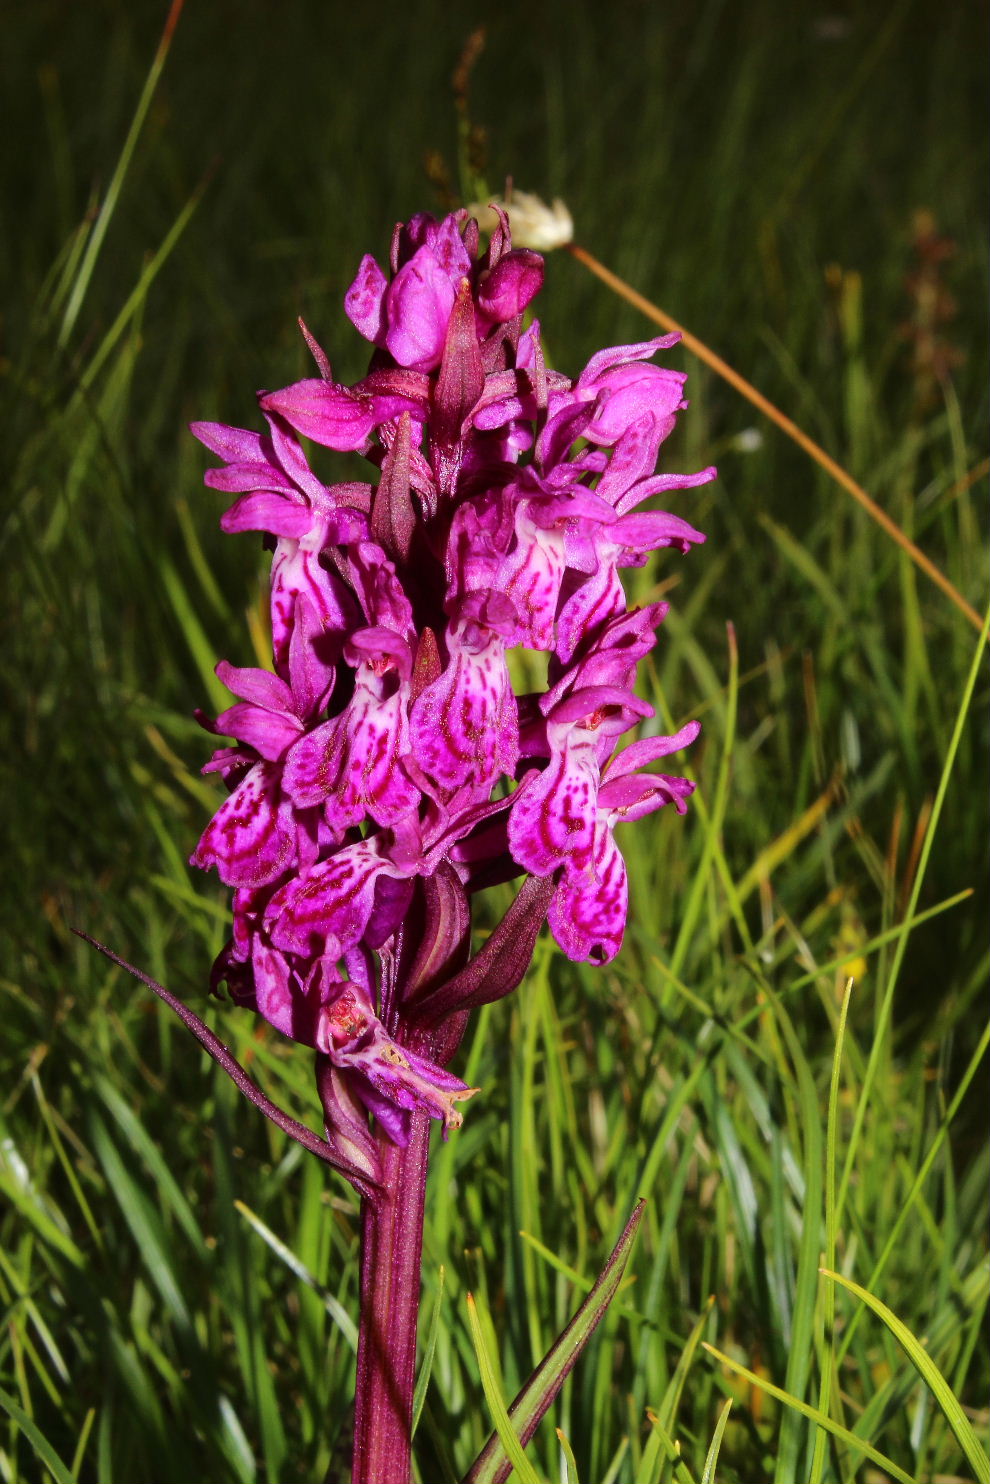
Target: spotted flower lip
(395,761)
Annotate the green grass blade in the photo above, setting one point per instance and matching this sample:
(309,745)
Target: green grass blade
(711,1457)
(502,1460)
(158,1253)
(143,1144)
(25,1198)
(886,1008)
(814,1414)
(429,1350)
(667,1412)
(135,300)
(569,1473)
(37,1439)
(112,198)
(285,1254)
(917,1184)
(827,1341)
(929,1373)
(84,1433)
(543,1385)
(713,821)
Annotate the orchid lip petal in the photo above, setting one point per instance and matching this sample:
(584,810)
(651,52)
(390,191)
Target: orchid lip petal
(251,839)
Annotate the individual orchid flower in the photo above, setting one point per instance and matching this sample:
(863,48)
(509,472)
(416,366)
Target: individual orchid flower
(352,763)
(587,915)
(464,724)
(552,823)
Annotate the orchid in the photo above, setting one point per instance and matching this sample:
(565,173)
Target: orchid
(386,770)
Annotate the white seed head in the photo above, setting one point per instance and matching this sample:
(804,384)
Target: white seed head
(534,224)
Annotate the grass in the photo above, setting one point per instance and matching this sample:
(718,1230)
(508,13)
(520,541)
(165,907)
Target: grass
(178,1283)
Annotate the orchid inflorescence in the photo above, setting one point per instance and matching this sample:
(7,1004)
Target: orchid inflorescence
(391,765)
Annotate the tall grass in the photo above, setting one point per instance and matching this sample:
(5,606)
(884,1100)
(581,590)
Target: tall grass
(178,1283)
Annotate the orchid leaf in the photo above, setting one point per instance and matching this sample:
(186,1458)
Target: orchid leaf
(498,967)
(494,1463)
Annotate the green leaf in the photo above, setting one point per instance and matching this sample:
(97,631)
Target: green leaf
(667,1414)
(513,1458)
(285,1254)
(570,1474)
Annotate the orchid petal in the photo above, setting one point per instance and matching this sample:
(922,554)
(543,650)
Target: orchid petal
(587,915)
(251,839)
(364,300)
(330,415)
(326,910)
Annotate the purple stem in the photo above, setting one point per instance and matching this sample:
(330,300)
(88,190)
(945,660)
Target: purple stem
(391,1252)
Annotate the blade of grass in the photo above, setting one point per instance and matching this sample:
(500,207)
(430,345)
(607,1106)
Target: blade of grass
(929,1373)
(801,1348)
(667,1413)
(37,1439)
(429,1350)
(712,823)
(27,1200)
(570,1470)
(137,296)
(886,1007)
(539,1392)
(96,236)
(285,1254)
(741,385)
(711,1457)
(827,1341)
(510,1457)
(80,1453)
(813,1412)
(157,1252)
(863,950)
(672,1451)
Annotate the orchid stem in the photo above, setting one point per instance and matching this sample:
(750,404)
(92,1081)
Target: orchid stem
(391,1254)
(746,389)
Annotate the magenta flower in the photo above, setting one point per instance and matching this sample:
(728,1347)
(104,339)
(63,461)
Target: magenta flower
(387,768)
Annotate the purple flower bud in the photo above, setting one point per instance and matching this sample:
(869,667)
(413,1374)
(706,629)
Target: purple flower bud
(418,302)
(511,285)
